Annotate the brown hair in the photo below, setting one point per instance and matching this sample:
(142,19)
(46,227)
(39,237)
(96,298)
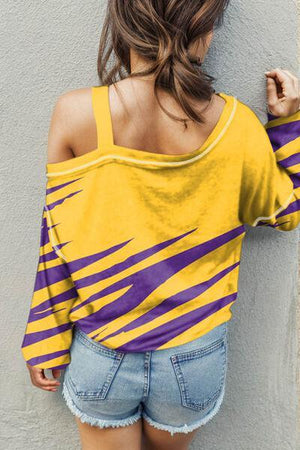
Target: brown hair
(160,31)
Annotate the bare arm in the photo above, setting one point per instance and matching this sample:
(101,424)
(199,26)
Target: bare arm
(60,130)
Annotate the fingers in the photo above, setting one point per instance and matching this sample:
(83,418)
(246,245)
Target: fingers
(272,92)
(294,78)
(39,379)
(282,92)
(283,80)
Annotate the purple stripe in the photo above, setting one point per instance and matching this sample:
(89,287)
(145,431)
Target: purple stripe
(45,239)
(293,207)
(271,117)
(48,357)
(145,281)
(86,260)
(50,256)
(61,200)
(173,302)
(55,300)
(290,160)
(272,225)
(281,135)
(282,223)
(164,333)
(61,367)
(295,177)
(44,232)
(49,276)
(130,261)
(38,336)
(60,186)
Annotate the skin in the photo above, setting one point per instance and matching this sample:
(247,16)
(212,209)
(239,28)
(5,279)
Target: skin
(73,132)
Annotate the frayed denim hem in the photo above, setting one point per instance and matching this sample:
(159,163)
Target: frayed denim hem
(187,428)
(94,421)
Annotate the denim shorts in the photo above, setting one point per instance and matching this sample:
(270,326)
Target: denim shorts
(177,389)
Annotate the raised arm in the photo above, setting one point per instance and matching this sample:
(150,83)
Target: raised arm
(270,194)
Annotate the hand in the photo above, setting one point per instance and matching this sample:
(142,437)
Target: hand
(283,95)
(39,379)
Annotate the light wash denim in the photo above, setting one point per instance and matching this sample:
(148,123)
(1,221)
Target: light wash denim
(177,389)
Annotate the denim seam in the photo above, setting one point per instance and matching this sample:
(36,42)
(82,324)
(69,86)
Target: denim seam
(98,349)
(185,356)
(102,392)
(147,367)
(183,387)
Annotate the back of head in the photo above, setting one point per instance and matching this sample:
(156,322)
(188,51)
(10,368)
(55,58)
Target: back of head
(161,32)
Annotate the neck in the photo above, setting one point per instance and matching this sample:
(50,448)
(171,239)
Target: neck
(137,64)
(197,53)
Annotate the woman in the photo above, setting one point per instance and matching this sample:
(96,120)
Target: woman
(150,182)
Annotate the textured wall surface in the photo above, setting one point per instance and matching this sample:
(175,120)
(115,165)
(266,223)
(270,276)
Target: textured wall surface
(51,47)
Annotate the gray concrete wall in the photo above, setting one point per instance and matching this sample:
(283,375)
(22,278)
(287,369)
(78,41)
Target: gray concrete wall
(51,47)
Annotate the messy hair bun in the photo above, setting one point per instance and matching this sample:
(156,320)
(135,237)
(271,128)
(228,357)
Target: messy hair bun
(161,32)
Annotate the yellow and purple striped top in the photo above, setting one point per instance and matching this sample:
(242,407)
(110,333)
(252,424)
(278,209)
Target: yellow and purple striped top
(141,250)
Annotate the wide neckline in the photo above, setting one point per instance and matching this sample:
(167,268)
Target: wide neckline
(108,150)
(152,156)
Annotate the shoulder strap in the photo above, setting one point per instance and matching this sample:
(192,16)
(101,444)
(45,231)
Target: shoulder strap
(101,109)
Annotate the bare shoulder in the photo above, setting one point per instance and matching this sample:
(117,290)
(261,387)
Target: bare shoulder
(75,95)
(70,105)
(72,119)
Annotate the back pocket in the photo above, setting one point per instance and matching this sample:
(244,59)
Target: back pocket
(92,369)
(201,374)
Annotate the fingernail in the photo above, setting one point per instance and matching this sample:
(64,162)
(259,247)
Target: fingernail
(267,72)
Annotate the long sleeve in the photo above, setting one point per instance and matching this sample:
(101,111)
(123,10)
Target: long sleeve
(270,185)
(48,334)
